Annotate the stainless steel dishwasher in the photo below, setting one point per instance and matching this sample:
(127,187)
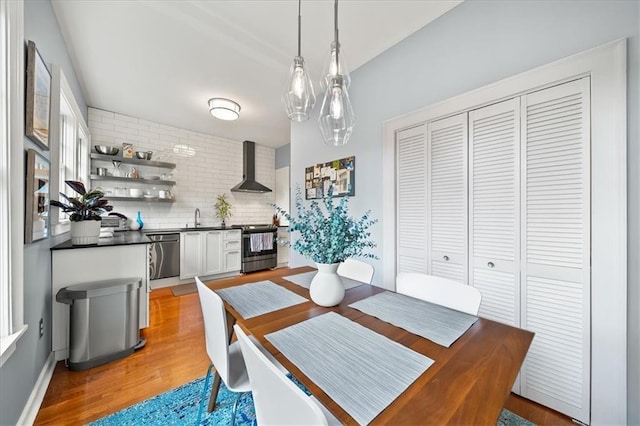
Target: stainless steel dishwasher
(164,256)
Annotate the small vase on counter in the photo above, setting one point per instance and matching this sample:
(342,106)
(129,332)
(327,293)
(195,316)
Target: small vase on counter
(139,220)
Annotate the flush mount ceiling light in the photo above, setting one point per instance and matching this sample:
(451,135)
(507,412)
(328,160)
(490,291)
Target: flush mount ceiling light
(336,118)
(224,109)
(299,98)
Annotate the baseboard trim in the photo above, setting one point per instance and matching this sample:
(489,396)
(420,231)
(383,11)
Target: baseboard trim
(31,408)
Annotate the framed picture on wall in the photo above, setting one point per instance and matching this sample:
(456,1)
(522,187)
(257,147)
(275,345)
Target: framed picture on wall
(38,97)
(36,226)
(341,174)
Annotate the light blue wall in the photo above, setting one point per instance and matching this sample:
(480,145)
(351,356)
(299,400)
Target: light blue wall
(19,374)
(41,26)
(283,156)
(477,43)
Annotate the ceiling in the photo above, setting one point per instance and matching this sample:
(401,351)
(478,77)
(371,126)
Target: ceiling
(162,60)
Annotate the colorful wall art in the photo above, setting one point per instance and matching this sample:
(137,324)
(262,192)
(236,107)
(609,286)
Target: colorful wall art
(339,173)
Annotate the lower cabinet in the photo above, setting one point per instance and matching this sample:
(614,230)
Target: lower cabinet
(283,250)
(212,250)
(232,251)
(209,252)
(190,254)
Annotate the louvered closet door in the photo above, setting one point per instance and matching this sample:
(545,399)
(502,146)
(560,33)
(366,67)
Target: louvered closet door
(447,189)
(411,154)
(555,249)
(494,209)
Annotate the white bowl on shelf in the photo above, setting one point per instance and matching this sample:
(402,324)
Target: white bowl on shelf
(135,192)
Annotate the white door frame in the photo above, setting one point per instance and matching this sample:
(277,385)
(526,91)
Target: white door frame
(607,67)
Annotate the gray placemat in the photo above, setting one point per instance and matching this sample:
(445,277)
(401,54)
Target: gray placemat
(251,300)
(361,370)
(434,322)
(304,280)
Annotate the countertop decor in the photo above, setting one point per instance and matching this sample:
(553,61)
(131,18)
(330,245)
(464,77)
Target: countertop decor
(85,212)
(222,207)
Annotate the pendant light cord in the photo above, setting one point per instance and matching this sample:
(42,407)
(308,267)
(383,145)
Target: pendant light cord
(299,26)
(335,17)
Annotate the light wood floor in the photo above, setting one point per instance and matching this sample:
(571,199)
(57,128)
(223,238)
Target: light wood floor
(174,355)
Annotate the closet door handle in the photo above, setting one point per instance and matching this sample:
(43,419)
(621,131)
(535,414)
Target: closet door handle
(491,264)
(446,258)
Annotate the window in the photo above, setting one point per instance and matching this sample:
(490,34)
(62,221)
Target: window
(11,176)
(71,149)
(5,205)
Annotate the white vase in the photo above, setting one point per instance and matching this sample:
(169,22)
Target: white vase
(85,232)
(326,287)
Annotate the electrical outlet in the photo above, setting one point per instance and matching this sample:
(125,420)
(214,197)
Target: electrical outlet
(41,327)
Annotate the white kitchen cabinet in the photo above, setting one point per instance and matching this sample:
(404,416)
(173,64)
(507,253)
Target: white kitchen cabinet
(190,254)
(282,191)
(232,261)
(283,249)
(232,253)
(212,252)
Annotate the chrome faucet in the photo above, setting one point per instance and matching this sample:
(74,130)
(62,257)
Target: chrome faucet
(197,218)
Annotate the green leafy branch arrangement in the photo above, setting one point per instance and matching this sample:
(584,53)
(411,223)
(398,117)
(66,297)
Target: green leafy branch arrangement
(329,237)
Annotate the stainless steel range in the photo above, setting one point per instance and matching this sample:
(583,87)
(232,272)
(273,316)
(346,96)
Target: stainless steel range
(259,248)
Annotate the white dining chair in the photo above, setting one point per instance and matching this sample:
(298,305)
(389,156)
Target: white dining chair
(439,290)
(225,358)
(356,270)
(277,400)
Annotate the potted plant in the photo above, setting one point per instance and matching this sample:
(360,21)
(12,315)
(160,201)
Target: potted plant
(329,236)
(84,212)
(222,207)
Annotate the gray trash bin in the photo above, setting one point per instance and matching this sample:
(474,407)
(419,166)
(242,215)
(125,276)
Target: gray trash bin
(104,321)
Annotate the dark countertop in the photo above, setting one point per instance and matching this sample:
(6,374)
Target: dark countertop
(123,238)
(190,229)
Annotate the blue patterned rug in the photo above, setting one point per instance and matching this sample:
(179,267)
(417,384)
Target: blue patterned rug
(179,406)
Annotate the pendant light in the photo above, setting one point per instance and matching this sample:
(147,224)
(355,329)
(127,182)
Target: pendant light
(336,118)
(299,99)
(334,66)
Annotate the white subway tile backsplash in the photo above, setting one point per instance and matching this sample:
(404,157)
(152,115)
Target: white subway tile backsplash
(213,170)
(101,112)
(125,118)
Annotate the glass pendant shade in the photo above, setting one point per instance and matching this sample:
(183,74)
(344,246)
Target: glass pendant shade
(332,68)
(336,118)
(299,99)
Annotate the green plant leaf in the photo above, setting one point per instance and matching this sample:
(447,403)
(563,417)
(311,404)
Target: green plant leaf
(76,186)
(89,206)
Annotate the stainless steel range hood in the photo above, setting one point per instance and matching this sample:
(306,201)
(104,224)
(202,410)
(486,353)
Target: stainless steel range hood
(249,183)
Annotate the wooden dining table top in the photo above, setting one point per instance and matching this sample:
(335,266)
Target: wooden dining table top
(467,384)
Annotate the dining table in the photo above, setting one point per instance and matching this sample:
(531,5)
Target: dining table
(466,383)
